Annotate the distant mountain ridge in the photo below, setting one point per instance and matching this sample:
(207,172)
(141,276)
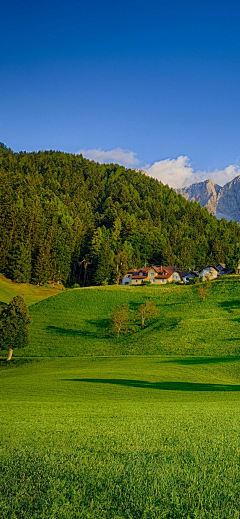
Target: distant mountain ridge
(223,202)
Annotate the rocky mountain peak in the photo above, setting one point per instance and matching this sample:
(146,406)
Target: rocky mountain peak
(224,202)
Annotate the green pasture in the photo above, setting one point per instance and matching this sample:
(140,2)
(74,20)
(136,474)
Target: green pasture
(134,437)
(76,322)
(144,427)
(31,293)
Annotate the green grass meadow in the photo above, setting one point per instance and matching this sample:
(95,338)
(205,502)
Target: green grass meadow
(31,293)
(144,427)
(76,322)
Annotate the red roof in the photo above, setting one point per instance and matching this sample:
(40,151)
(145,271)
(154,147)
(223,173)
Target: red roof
(162,272)
(164,276)
(144,269)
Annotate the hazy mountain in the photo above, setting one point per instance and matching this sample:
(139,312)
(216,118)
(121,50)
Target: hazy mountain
(224,202)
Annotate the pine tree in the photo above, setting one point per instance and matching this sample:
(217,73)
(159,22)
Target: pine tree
(19,263)
(41,271)
(104,269)
(120,263)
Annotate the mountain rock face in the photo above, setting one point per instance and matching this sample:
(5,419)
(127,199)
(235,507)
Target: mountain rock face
(223,202)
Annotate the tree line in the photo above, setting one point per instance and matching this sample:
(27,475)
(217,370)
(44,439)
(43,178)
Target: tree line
(66,219)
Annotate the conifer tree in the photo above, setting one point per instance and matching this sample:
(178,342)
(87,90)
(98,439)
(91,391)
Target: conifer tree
(19,263)
(41,271)
(60,211)
(104,268)
(120,263)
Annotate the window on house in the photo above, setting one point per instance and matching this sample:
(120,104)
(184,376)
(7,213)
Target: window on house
(152,273)
(153,280)
(162,280)
(136,280)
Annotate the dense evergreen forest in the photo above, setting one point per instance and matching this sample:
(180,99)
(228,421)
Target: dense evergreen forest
(66,219)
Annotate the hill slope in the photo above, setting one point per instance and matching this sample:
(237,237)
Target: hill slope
(76,322)
(63,217)
(31,293)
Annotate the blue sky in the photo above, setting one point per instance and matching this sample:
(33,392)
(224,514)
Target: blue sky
(152,84)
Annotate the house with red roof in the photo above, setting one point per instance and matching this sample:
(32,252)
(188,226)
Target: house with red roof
(155,274)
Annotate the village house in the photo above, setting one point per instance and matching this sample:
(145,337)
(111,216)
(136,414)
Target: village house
(155,274)
(221,267)
(211,271)
(189,274)
(161,275)
(224,270)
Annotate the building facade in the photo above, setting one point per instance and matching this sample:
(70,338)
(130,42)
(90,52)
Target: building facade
(157,275)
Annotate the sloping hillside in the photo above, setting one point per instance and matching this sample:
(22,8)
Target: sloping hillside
(76,322)
(65,218)
(31,293)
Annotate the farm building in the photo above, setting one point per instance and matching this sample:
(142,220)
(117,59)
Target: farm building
(154,274)
(224,270)
(189,274)
(211,271)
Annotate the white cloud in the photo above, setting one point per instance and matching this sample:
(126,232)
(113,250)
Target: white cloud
(179,173)
(223,176)
(126,158)
(176,173)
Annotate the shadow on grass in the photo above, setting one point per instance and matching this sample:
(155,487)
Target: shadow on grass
(14,363)
(233,338)
(163,386)
(101,325)
(69,332)
(153,326)
(101,329)
(203,360)
(230,305)
(133,305)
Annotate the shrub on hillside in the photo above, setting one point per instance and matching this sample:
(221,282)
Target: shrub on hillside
(120,317)
(14,322)
(147,310)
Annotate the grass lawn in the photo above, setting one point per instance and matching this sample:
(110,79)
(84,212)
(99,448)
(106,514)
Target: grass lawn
(144,427)
(121,437)
(76,322)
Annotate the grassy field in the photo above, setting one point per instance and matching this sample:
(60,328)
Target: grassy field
(144,427)
(76,322)
(127,437)
(31,293)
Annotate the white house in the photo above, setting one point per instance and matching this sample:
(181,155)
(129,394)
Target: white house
(189,274)
(210,271)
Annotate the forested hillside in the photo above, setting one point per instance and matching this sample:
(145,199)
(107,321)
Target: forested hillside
(65,218)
